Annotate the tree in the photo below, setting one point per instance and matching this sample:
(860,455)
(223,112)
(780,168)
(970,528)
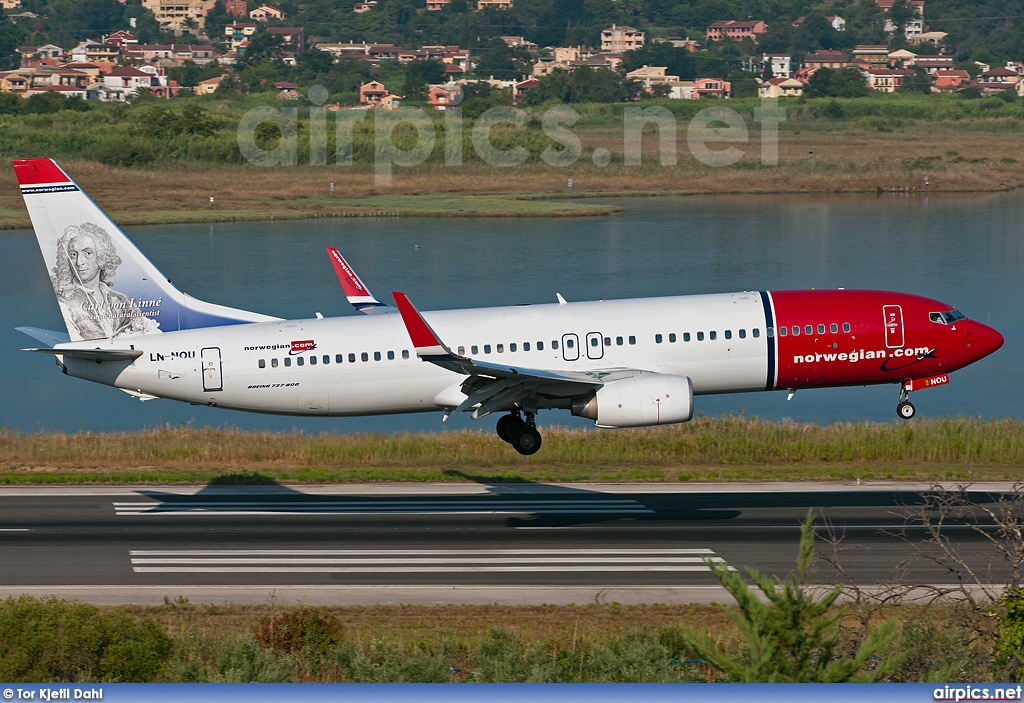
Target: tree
(795,636)
(744,84)
(10,36)
(420,74)
(919,82)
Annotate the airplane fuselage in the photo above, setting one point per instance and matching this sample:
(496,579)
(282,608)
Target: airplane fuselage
(724,343)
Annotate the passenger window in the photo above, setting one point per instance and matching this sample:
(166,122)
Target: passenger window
(657,339)
(327,358)
(833,328)
(287,361)
(618,341)
(712,335)
(487,349)
(351,358)
(474,350)
(700,336)
(593,341)
(796,330)
(686,336)
(273,363)
(743,334)
(808,329)
(263,363)
(405,353)
(300,361)
(607,341)
(821,329)
(312,361)
(391,356)
(846,327)
(570,343)
(376,356)
(512,347)
(462,351)
(364,356)
(540,346)
(728,334)
(526,346)
(783,331)
(339,358)
(632,339)
(501,349)
(757,332)
(671,337)
(554,344)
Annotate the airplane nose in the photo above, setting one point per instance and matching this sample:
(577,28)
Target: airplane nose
(985,340)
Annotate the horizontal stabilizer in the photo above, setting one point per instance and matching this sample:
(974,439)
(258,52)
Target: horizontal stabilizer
(92,354)
(50,337)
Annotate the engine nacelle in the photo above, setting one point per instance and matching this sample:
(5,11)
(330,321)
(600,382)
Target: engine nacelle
(650,399)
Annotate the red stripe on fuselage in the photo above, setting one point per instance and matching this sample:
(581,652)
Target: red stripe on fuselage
(861,356)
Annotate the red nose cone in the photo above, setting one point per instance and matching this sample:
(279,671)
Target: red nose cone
(986,340)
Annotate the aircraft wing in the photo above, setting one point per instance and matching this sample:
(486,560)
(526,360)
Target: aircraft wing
(359,296)
(494,387)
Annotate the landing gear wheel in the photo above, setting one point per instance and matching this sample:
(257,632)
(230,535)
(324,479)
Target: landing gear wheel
(508,426)
(526,441)
(905,409)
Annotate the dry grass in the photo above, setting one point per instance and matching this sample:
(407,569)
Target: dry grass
(955,157)
(728,448)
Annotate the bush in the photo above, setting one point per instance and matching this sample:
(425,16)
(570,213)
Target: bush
(297,630)
(57,640)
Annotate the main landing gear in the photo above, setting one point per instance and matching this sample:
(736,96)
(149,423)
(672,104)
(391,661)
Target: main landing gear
(905,409)
(521,434)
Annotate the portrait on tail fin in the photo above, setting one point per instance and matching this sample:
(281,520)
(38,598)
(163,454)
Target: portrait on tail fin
(82,279)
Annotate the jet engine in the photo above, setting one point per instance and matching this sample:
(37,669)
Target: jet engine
(649,399)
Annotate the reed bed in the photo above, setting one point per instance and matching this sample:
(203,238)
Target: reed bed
(723,448)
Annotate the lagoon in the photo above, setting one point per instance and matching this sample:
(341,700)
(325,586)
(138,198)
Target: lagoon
(964,249)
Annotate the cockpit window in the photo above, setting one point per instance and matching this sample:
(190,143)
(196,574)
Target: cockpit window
(946,318)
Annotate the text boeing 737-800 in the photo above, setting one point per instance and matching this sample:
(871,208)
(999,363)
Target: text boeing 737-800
(626,363)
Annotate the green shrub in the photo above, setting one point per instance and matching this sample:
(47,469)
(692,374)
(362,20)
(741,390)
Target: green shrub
(57,640)
(297,630)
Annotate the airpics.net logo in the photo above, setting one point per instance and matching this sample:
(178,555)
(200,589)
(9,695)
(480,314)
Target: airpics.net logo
(712,135)
(977,693)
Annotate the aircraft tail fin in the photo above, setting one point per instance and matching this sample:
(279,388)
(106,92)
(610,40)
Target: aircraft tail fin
(105,286)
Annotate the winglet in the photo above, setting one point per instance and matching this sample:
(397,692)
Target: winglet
(424,339)
(359,296)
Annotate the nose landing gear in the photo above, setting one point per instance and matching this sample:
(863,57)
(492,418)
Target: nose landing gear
(905,409)
(521,433)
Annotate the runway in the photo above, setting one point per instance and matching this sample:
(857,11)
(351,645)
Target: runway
(448,543)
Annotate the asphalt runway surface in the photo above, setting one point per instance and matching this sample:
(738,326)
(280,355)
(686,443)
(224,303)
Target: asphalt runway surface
(456,543)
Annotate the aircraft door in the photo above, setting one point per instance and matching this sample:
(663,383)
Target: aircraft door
(570,347)
(893,315)
(213,379)
(595,345)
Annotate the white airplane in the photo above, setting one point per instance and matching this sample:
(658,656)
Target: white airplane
(626,363)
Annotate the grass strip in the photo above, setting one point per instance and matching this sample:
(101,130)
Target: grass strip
(728,448)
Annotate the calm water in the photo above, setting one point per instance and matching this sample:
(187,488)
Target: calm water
(967,250)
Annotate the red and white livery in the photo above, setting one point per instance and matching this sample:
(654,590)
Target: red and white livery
(625,363)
